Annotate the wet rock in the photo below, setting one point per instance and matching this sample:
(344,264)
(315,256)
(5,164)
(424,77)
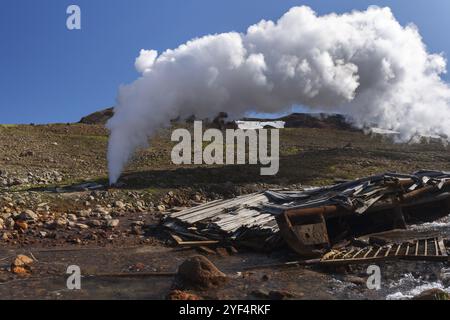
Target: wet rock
(433,294)
(182,295)
(199,272)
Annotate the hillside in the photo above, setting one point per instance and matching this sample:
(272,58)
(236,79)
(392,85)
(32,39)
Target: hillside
(54,193)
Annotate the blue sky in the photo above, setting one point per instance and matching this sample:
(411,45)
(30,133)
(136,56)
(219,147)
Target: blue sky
(51,74)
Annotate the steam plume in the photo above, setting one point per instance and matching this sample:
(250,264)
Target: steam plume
(364,64)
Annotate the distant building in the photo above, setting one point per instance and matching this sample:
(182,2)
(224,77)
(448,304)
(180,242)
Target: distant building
(241,124)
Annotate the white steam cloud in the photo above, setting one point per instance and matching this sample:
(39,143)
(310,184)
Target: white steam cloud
(364,64)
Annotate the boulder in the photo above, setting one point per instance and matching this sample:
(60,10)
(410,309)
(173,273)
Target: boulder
(199,272)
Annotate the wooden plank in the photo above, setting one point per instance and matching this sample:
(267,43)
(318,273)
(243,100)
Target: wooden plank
(361,250)
(197,243)
(398,249)
(387,251)
(378,251)
(367,253)
(442,247)
(348,253)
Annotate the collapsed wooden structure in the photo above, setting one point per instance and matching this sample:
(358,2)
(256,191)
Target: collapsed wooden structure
(312,220)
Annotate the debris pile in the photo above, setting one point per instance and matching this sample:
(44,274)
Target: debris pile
(314,220)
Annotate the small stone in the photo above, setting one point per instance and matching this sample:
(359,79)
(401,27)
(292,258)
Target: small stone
(21,225)
(9,223)
(112,223)
(161,208)
(82,226)
(72,217)
(60,222)
(6,236)
(137,223)
(119,204)
(29,215)
(21,264)
(95,223)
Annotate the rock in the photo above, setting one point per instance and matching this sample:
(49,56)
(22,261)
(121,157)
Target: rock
(112,223)
(22,260)
(21,264)
(355,280)
(199,272)
(161,208)
(9,223)
(82,226)
(84,213)
(60,222)
(433,294)
(28,215)
(6,236)
(22,225)
(445,277)
(72,217)
(137,223)
(182,295)
(119,204)
(136,230)
(95,223)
